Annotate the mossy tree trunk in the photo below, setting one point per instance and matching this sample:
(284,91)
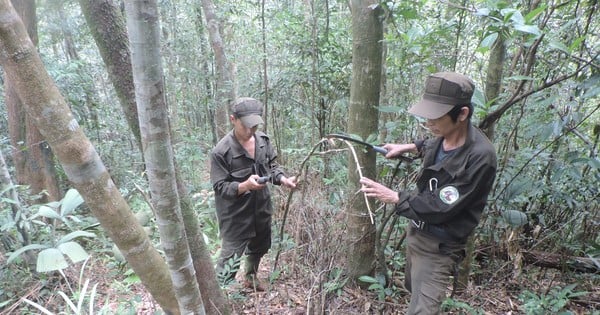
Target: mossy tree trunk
(367,34)
(78,157)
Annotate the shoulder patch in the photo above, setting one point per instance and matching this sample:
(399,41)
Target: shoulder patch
(449,195)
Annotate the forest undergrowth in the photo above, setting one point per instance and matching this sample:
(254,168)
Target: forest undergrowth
(305,273)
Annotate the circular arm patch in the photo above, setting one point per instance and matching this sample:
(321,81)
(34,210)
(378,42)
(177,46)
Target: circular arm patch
(449,195)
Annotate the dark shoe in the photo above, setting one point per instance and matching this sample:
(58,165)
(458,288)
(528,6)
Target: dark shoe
(252,283)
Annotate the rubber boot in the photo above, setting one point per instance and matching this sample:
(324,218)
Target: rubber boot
(251,281)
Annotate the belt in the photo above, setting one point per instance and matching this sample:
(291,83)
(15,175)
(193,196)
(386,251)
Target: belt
(436,231)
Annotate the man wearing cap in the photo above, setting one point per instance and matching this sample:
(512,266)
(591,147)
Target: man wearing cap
(458,170)
(243,203)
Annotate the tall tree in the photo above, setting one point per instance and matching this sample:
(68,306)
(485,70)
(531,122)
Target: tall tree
(108,28)
(33,159)
(367,35)
(224,85)
(144,39)
(79,159)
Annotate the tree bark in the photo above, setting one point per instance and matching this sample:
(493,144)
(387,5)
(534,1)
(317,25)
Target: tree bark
(78,157)
(367,34)
(215,302)
(144,38)
(32,157)
(108,28)
(225,91)
(493,81)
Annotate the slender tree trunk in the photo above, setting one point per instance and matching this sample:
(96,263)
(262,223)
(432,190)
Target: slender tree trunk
(78,157)
(225,91)
(144,38)
(33,159)
(367,34)
(493,85)
(212,295)
(108,28)
(493,82)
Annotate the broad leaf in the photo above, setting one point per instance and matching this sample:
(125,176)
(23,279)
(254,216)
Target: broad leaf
(74,235)
(75,252)
(514,218)
(50,259)
(70,202)
(48,212)
(23,249)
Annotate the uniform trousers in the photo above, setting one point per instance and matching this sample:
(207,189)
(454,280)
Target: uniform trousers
(430,263)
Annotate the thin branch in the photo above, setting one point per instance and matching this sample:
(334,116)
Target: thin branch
(358,167)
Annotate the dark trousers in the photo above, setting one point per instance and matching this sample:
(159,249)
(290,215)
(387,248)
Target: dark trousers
(232,251)
(429,265)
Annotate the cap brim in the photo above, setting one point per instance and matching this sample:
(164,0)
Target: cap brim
(430,110)
(251,121)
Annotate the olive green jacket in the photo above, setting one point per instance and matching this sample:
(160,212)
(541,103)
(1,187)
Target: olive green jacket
(241,216)
(453,193)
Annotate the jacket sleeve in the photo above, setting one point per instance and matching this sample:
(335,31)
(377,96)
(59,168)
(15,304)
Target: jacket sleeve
(219,176)
(467,190)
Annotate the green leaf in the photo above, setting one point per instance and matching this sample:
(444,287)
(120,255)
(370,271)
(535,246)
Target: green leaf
(530,29)
(489,40)
(559,46)
(75,252)
(74,235)
(70,202)
(529,17)
(514,218)
(48,212)
(594,162)
(50,259)
(368,279)
(23,249)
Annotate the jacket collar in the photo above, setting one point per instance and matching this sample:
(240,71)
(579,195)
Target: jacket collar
(456,163)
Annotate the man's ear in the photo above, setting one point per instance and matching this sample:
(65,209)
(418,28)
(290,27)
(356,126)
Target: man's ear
(464,113)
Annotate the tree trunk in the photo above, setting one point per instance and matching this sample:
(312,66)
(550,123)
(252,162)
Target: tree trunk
(32,157)
(367,34)
(493,81)
(107,26)
(225,91)
(144,39)
(212,295)
(79,159)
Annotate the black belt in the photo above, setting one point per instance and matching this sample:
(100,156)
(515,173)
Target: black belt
(436,231)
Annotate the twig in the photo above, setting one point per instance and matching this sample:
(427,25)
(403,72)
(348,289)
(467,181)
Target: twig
(358,167)
(289,201)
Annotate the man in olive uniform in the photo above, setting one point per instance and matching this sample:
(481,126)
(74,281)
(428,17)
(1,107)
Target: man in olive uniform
(458,170)
(243,201)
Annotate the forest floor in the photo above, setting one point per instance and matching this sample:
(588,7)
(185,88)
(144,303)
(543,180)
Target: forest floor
(303,293)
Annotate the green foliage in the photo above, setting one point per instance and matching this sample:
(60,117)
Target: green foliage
(554,302)
(335,281)
(453,305)
(377,285)
(230,268)
(515,218)
(53,252)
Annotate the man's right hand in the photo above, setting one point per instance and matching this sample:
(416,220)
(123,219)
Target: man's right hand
(396,150)
(250,184)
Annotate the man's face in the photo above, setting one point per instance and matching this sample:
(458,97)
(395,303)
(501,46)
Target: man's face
(444,125)
(242,132)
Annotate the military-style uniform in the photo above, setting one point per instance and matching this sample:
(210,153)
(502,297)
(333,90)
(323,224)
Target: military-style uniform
(452,190)
(244,220)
